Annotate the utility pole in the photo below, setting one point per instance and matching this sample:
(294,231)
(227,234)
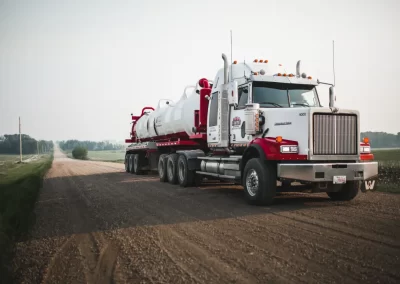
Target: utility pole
(20,141)
(37,143)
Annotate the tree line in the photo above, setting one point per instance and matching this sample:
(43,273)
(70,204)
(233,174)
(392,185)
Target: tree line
(9,144)
(89,145)
(382,139)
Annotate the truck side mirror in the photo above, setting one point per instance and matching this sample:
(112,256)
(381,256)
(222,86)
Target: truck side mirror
(332,97)
(233,93)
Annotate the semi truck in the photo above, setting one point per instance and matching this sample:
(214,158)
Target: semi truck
(256,126)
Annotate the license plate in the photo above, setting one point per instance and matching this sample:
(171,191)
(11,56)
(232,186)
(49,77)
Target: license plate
(339,179)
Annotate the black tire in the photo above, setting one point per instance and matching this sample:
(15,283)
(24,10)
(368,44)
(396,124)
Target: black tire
(162,167)
(130,163)
(264,175)
(127,163)
(347,192)
(172,172)
(137,164)
(185,176)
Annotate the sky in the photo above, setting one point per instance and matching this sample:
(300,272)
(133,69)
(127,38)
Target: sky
(77,69)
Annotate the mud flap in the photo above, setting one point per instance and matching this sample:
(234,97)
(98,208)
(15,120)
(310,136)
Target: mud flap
(368,185)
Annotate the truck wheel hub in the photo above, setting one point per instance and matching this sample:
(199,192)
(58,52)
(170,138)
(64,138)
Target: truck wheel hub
(252,182)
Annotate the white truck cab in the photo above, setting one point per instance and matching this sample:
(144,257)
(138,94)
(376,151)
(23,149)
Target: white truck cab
(278,118)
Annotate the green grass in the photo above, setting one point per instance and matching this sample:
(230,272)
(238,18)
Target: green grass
(387,155)
(109,156)
(11,158)
(389,170)
(19,188)
(116,156)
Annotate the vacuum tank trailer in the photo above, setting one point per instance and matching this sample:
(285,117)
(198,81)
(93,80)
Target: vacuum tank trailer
(254,125)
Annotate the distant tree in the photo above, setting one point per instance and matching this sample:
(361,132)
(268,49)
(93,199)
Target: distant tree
(382,139)
(9,144)
(89,145)
(80,152)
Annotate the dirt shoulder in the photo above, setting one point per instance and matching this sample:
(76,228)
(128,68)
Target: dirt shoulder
(98,224)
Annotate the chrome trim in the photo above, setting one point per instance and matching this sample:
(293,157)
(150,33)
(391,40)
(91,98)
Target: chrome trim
(311,156)
(306,172)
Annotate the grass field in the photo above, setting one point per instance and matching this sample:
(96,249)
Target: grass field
(111,156)
(106,156)
(19,188)
(389,169)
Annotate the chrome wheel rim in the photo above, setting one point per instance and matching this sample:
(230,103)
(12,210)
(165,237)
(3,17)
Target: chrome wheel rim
(252,183)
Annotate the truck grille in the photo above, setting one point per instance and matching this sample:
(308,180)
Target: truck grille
(335,134)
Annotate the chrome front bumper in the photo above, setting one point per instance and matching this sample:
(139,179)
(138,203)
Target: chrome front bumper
(325,172)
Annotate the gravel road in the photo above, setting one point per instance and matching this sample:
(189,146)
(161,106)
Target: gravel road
(97,224)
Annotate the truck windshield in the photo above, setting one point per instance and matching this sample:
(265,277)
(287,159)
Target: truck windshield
(269,94)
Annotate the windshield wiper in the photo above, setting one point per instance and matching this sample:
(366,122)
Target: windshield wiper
(275,104)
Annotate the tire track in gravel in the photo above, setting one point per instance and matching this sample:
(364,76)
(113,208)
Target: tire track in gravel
(193,218)
(114,227)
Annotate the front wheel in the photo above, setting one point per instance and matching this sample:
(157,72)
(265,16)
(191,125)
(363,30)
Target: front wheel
(259,182)
(347,192)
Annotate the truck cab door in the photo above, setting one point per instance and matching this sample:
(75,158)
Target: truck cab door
(218,129)
(213,121)
(237,117)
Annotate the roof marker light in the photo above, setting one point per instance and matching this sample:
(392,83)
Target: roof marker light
(234,62)
(255,60)
(261,61)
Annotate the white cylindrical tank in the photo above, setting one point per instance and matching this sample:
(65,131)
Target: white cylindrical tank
(170,119)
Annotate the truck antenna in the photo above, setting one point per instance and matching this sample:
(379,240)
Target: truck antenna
(333,50)
(231,58)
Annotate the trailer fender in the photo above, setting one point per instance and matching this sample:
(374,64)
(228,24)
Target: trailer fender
(191,156)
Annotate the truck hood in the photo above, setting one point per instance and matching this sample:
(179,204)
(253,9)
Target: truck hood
(296,124)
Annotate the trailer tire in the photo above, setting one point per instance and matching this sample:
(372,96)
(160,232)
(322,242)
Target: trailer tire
(184,175)
(138,163)
(259,182)
(162,167)
(127,163)
(172,172)
(130,161)
(348,192)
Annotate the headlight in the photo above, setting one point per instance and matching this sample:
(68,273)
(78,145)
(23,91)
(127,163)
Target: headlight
(365,149)
(289,149)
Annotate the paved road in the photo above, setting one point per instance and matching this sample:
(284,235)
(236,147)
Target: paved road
(98,224)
